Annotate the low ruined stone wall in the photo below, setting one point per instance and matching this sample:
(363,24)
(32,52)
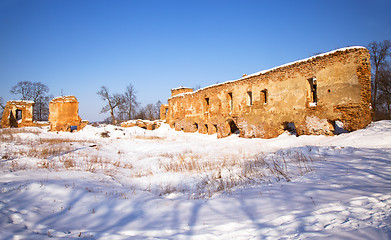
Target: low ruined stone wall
(309,95)
(146,124)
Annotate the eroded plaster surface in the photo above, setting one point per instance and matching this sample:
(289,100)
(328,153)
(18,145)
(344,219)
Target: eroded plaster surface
(18,113)
(64,114)
(307,96)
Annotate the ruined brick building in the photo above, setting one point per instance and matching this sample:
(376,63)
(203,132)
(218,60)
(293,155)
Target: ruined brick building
(309,96)
(63,114)
(18,114)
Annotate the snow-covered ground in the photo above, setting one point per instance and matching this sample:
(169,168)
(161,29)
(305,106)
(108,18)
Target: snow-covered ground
(129,183)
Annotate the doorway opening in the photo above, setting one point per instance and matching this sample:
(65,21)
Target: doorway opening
(233,128)
(290,127)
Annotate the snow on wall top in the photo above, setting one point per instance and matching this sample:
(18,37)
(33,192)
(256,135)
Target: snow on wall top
(271,69)
(180,87)
(68,98)
(141,120)
(20,101)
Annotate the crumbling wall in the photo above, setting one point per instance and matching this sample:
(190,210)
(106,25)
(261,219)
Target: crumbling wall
(307,96)
(180,90)
(146,124)
(64,114)
(163,111)
(18,114)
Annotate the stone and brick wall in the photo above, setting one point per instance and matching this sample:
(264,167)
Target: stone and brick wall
(18,114)
(180,90)
(311,95)
(146,124)
(64,114)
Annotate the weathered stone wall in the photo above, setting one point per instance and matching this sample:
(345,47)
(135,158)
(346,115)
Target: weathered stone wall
(18,114)
(146,124)
(64,114)
(163,111)
(310,94)
(180,90)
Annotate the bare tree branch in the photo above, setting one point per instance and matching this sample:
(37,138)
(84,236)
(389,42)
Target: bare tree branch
(2,106)
(37,92)
(24,88)
(129,104)
(384,97)
(113,101)
(379,52)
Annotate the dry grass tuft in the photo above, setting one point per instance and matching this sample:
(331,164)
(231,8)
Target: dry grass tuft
(69,163)
(227,172)
(60,141)
(11,134)
(45,151)
(105,134)
(16,166)
(48,164)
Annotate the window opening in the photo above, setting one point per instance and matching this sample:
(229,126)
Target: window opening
(215,125)
(207,103)
(18,114)
(206,127)
(250,98)
(231,103)
(264,96)
(196,126)
(314,90)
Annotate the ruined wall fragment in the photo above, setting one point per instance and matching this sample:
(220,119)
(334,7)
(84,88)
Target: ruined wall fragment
(146,124)
(163,111)
(64,114)
(307,96)
(18,114)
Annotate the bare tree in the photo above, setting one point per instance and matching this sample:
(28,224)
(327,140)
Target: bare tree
(113,101)
(379,52)
(41,108)
(37,92)
(150,112)
(24,88)
(2,106)
(141,113)
(129,104)
(384,101)
(157,109)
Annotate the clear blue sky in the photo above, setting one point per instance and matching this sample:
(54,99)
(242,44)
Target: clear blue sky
(76,46)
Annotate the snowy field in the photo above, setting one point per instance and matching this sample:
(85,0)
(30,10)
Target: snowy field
(129,183)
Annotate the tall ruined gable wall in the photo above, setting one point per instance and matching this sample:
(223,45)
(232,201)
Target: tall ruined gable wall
(64,113)
(342,92)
